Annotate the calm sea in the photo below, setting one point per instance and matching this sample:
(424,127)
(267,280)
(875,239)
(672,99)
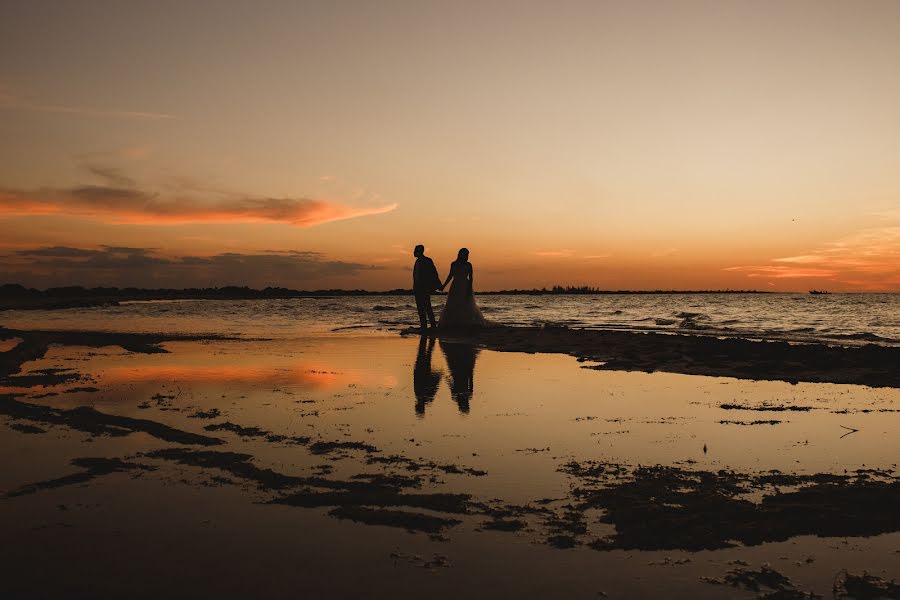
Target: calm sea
(848,319)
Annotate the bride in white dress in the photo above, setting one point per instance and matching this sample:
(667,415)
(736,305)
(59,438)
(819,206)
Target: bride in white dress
(461,311)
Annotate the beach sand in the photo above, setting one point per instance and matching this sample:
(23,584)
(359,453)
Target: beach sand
(491,464)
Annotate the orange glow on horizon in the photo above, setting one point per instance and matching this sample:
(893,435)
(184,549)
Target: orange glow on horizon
(642,146)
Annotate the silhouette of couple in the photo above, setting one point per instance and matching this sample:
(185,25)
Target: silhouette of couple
(460,311)
(460,359)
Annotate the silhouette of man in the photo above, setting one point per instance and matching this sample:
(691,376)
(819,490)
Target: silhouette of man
(425,379)
(425,281)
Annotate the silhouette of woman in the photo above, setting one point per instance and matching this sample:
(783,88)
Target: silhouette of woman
(461,311)
(461,362)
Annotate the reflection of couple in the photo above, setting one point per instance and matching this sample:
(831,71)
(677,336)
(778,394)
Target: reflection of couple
(460,311)
(461,362)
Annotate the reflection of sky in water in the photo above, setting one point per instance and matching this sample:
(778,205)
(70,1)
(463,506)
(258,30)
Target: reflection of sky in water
(9,344)
(517,416)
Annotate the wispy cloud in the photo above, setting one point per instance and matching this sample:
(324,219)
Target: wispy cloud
(782,272)
(868,259)
(119,199)
(561,253)
(567,253)
(664,252)
(130,153)
(10,101)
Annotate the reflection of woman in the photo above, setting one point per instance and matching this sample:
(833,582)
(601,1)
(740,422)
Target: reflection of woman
(461,362)
(461,310)
(425,379)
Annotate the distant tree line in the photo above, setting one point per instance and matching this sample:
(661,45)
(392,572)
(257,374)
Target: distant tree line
(17,296)
(12,290)
(585,289)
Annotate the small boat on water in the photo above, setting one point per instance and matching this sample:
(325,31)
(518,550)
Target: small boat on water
(818,292)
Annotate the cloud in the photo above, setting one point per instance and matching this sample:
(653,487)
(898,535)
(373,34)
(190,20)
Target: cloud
(58,252)
(118,199)
(782,272)
(868,259)
(129,153)
(10,101)
(145,267)
(113,175)
(561,253)
(567,253)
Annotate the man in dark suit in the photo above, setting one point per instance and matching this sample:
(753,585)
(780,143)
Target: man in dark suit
(425,282)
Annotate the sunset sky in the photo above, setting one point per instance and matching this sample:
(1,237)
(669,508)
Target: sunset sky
(625,145)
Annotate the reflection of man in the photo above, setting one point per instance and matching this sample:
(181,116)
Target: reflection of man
(425,281)
(425,380)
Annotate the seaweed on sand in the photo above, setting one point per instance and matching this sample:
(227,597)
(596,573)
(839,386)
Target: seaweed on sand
(410,521)
(370,499)
(34,345)
(864,587)
(234,463)
(378,496)
(328,447)
(668,508)
(367,490)
(92,468)
(413,465)
(254,432)
(767,582)
(90,420)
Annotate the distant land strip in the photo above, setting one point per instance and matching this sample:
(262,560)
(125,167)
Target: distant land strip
(15,296)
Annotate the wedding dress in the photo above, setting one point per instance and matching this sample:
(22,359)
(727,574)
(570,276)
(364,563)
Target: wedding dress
(461,311)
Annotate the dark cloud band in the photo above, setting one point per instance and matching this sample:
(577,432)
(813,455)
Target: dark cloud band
(144,267)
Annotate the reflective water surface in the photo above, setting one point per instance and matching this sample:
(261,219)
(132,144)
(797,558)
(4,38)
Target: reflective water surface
(337,465)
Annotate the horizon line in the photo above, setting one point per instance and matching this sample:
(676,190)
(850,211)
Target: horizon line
(559,290)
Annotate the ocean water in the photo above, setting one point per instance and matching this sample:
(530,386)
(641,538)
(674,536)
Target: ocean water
(842,319)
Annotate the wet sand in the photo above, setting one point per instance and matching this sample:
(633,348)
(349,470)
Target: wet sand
(186,466)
